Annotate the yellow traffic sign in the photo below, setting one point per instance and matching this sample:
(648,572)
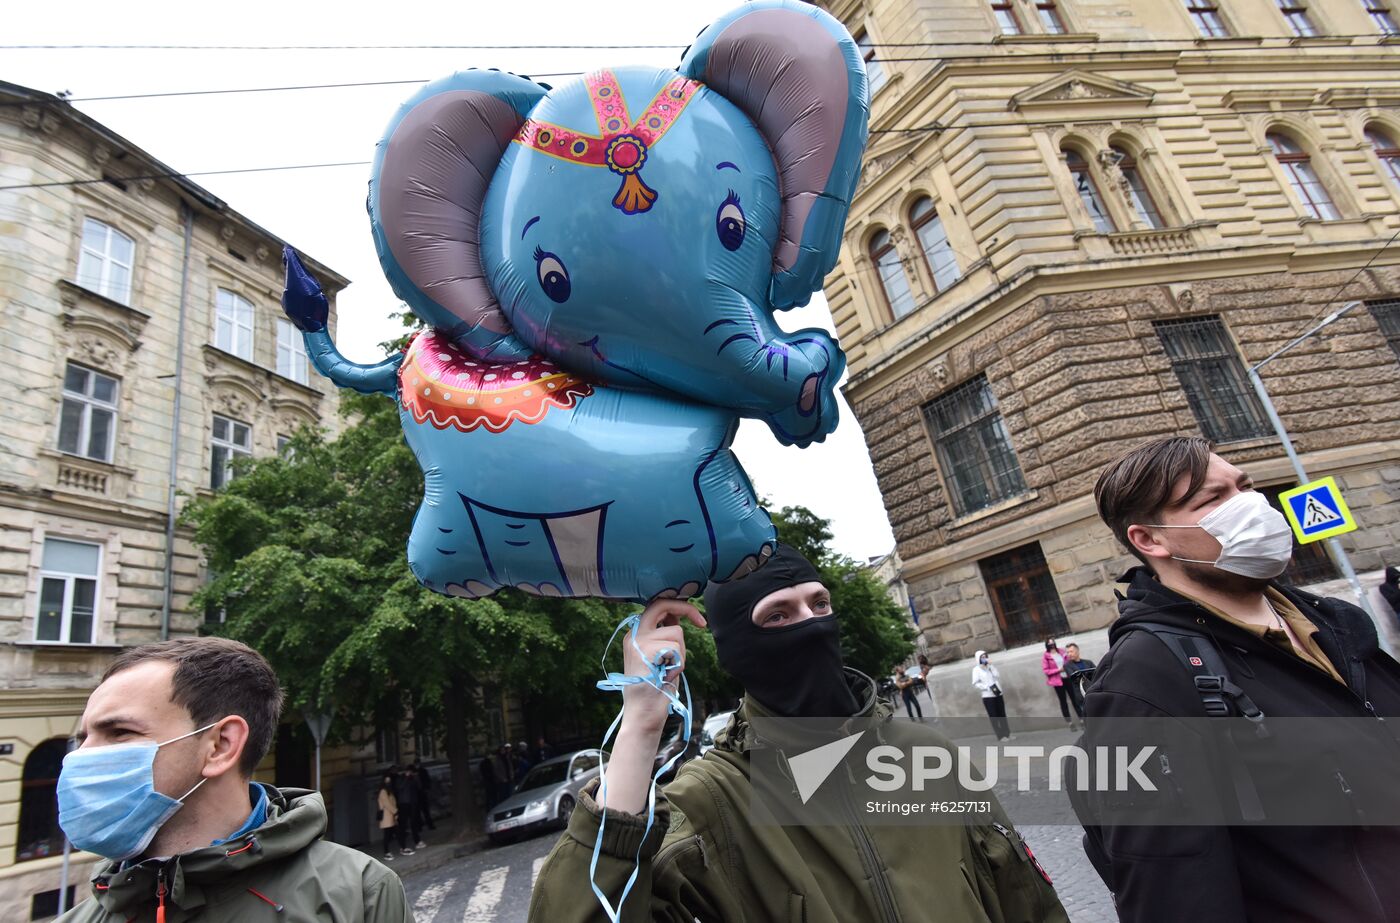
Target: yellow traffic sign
(1317,511)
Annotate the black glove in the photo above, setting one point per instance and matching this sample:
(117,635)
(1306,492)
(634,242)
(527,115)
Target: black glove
(996,690)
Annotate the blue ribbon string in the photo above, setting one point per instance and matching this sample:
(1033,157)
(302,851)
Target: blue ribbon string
(666,663)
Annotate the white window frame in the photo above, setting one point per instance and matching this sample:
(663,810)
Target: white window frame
(233,323)
(939,256)
(97,265)
(1005,16)
(68,578)
(291,352)
(232,448)
(89,403)
(1389,157)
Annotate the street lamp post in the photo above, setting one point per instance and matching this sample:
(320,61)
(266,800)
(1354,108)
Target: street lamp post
(1338,552)
(318,723)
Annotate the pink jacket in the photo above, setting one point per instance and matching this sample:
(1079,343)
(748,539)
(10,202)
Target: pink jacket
(1052,672)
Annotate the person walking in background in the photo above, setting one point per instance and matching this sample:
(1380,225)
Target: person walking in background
(986,678)
(389,819)
(505,773)
(542,751)
(425,801)
(905,684)
(410,801)
(523,763)
(1052,663)
(1074,682)
(922,682)
(1390,590)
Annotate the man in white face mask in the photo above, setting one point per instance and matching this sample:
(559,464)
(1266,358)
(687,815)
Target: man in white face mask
(1205,605)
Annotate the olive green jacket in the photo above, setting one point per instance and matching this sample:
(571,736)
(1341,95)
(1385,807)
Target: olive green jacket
(280,872)
(705,860)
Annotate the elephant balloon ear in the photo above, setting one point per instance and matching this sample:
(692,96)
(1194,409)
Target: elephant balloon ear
(796,72)
(431,172)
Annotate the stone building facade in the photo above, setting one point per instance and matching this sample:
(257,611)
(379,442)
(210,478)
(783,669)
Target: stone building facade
(1079,222)
(100,250)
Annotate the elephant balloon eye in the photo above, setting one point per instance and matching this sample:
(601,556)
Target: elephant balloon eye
(554,278)
(729,222)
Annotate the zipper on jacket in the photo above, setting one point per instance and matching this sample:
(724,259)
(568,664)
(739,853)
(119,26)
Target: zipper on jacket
(871,860)
(160,895)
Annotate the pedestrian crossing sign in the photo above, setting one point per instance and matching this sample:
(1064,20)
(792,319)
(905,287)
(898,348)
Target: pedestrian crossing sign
(1317,511)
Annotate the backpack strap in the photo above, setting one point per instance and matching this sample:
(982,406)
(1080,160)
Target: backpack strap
(1222,698)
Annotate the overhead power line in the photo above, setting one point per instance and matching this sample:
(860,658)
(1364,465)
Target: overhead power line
(918,129)
(1000,44)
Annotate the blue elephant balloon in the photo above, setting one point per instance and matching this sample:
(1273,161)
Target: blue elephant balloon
(600,264)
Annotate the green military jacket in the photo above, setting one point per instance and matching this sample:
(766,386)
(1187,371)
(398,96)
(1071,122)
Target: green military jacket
(280,872)
(704,860)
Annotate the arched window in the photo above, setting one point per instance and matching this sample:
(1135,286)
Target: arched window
(1088,191)
(1307,186)
(1138,194)
(933,240)
(1386,151)
(893,281)
(39,835)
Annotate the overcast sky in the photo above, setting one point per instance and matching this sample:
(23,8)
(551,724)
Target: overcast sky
(322,211)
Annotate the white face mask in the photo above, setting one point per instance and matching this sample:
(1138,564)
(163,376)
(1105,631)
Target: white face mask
(1255,540)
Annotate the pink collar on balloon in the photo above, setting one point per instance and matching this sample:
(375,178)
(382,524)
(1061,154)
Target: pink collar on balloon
(623,144)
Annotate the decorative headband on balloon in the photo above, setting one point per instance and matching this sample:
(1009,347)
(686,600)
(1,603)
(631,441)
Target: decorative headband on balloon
(622,146)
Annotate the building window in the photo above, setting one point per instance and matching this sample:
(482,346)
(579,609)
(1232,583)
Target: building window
(386,745)
(1381,18)
(1307,187)
(67,592)
(291,352)
(1386,151)
(1050,19)
(973,447)
(230,440)
(1143,206)
(1310,563)
(233,324)
(893,281)
(104,263)
(1205,14)
(1214,379)
(87,421)
(425,746)
(938,253)
(1023,596)
(874,72)
(1005,13)
(39,833)
(1088,191)
(1296,13)
(1387,315)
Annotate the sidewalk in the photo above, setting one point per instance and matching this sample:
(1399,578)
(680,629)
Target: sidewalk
(441,850)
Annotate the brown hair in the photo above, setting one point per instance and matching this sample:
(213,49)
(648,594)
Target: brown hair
(215,678)
(1134,489)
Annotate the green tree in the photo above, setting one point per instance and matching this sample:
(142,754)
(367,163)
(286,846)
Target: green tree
(308,553)
(875,632)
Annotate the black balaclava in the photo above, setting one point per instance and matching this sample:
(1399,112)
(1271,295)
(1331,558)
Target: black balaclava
(795,670)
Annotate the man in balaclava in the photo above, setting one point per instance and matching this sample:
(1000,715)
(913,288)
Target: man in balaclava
(701,856)
(790,659)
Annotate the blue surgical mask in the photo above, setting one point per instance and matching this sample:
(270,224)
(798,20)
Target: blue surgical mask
(107,800)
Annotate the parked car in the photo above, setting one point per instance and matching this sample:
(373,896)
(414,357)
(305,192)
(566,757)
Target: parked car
(713,725)
(545,797)
(673,742)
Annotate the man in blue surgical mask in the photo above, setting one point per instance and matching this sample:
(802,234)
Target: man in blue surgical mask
(1206,605)
(161,785)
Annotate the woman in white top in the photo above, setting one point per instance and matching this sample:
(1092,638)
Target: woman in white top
(986,678)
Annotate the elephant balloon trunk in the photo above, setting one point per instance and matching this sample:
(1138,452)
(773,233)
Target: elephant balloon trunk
(380,378)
